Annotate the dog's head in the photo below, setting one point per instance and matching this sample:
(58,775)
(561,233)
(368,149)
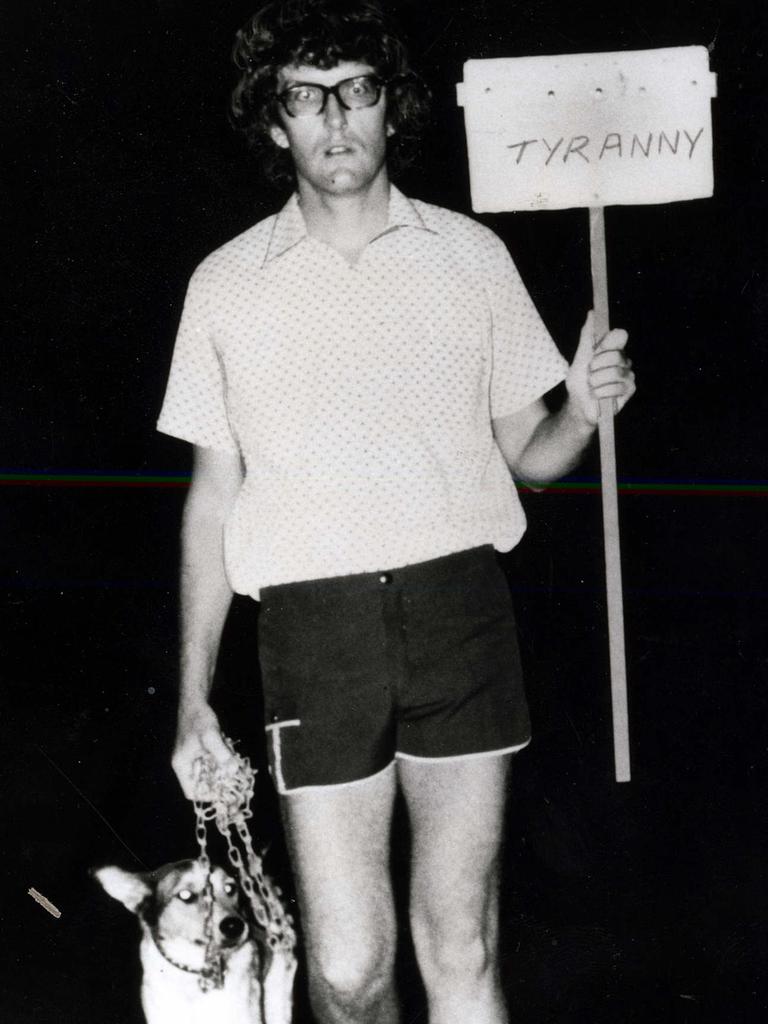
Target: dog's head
(170,905)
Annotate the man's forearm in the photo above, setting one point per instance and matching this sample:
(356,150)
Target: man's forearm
(539,446)
(555,447)
(205,599)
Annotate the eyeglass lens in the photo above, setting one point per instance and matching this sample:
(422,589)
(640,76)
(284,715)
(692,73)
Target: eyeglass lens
(352,93)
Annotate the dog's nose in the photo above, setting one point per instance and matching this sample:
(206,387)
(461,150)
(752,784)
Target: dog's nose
(231,927)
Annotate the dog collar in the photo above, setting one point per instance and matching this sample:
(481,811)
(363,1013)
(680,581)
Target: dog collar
(212,973)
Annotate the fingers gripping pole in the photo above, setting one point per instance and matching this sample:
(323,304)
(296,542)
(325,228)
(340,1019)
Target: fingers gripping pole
(610,513)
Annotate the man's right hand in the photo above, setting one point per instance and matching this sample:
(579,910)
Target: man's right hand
(199,735)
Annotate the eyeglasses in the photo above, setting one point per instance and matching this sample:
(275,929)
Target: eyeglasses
(307,98)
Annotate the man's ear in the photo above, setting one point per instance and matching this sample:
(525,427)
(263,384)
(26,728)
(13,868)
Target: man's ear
(278,136)
(131,890)
(390,130)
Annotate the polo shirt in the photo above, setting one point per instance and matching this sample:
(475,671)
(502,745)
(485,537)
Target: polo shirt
(359,398)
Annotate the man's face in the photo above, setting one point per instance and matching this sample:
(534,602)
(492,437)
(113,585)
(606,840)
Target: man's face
(338,152)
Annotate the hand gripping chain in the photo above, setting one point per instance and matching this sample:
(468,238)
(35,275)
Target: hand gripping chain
(228,796)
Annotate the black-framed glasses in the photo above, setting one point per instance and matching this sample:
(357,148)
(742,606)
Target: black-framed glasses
(307,98)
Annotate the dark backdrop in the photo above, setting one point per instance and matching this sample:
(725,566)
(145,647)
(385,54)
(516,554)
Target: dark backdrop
(622,903)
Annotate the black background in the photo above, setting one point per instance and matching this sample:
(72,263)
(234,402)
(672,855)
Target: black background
(640,902)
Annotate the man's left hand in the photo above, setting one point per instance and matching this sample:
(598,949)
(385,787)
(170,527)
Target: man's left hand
(598,371)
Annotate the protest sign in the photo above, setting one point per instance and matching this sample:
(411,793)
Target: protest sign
(592,130)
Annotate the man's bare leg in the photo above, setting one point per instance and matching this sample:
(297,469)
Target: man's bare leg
(456,810)
(339,838)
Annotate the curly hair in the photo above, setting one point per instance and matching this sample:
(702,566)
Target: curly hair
(322,33)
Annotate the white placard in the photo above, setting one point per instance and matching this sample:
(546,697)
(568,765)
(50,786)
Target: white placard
(591,129)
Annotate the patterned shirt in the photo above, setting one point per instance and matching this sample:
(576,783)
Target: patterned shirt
(359,397)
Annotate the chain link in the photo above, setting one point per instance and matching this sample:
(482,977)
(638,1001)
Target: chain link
(212,973)
(228,795)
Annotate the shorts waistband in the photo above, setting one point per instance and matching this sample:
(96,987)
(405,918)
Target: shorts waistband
(442,567)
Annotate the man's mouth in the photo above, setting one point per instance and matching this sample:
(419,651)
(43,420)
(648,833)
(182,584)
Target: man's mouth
(338,150)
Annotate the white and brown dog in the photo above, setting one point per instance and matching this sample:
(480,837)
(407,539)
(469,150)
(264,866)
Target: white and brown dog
(257,983)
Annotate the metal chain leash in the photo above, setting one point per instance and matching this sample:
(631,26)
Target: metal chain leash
(228,795)
(212,973)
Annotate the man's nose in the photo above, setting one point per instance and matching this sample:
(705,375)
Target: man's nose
(335,114)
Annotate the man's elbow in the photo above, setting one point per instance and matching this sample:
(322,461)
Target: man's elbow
(529,485)
(530,481)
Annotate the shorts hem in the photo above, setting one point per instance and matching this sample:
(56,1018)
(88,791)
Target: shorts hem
(464,757)
(286,791)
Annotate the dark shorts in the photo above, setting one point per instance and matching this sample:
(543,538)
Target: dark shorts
(419,662)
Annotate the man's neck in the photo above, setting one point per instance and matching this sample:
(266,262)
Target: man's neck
(347,222)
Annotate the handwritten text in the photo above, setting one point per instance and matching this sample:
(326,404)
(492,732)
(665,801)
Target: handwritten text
(613,145)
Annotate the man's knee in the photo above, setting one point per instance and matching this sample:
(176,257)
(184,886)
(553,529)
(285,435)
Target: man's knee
(353,978)
(453,948)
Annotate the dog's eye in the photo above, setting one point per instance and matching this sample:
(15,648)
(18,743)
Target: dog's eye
(230,888)
(186,895)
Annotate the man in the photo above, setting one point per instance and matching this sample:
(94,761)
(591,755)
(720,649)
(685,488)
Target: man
(362,376)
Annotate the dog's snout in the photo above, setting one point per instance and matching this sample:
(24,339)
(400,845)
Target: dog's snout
(231,927)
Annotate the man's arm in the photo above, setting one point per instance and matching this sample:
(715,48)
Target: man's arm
(205,599)
(540,446)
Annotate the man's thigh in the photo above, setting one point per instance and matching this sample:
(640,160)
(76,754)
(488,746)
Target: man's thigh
(456,809)
(339,839)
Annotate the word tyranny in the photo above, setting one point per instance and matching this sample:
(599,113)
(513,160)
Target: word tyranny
(614,144)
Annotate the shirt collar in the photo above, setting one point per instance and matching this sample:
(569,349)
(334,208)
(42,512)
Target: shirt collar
(289,228)
(403,212)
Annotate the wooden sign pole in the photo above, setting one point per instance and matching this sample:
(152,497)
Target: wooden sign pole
(609,492)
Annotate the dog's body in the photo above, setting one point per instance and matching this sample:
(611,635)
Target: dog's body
(256,983)
(169,994)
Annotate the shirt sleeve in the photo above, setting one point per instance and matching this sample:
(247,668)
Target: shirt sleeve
(195,404)
(526,361)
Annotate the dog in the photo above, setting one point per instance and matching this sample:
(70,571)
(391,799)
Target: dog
(257,983)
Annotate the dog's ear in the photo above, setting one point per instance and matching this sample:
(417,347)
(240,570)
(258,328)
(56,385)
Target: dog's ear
(131,890)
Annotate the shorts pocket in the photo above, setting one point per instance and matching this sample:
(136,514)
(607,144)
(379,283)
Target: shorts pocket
(275,731)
